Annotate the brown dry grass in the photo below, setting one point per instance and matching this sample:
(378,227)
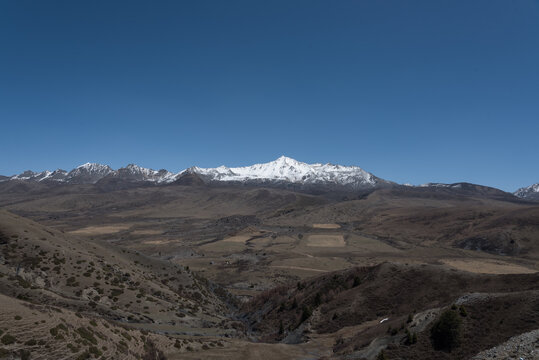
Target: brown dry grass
(238,239)
(326,241)
(101,230)
(146,232)
(484,266)
(326,226)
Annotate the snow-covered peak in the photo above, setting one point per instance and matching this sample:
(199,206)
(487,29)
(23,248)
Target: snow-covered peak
(135,169)
(88,173)
(92,168)
(290,170)
(528,192)
(138,173)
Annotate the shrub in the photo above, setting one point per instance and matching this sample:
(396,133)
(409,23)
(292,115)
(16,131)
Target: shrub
(94,351)
(447,331)
(87,335)
(8,339)
(73,348)
(126,335)
(410,338)
(24,354)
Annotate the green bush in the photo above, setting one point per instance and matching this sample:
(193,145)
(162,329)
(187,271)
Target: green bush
(446,333)
(30,342)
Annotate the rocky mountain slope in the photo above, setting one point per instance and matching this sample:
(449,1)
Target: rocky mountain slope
(380,308)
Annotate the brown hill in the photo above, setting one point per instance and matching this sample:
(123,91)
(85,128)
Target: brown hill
(362,298)
(43,266)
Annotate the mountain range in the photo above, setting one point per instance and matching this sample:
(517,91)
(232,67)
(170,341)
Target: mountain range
(282,172)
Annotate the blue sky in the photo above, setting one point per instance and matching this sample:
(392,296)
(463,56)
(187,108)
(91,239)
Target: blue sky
(413,91)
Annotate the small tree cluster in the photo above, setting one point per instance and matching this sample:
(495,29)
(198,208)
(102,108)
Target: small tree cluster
(446,333)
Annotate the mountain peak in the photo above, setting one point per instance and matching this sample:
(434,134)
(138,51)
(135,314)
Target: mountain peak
(286,169)
(92,168)
(285,159)
(529,192)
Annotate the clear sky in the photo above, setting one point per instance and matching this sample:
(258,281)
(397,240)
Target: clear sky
(412,91)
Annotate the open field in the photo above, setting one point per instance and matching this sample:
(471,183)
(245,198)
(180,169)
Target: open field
(101,230)
(488,266)
(326,241)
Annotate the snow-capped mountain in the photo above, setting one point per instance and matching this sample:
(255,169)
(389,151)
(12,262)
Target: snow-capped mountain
(88,173)
(91,173)
(58,174)
(287,170)
(281,171)
(530,192)
(134,172)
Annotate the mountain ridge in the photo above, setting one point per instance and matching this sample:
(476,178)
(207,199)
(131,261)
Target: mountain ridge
(281,172)
(283,169)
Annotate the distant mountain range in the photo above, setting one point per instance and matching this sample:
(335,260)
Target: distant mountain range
(282,172)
